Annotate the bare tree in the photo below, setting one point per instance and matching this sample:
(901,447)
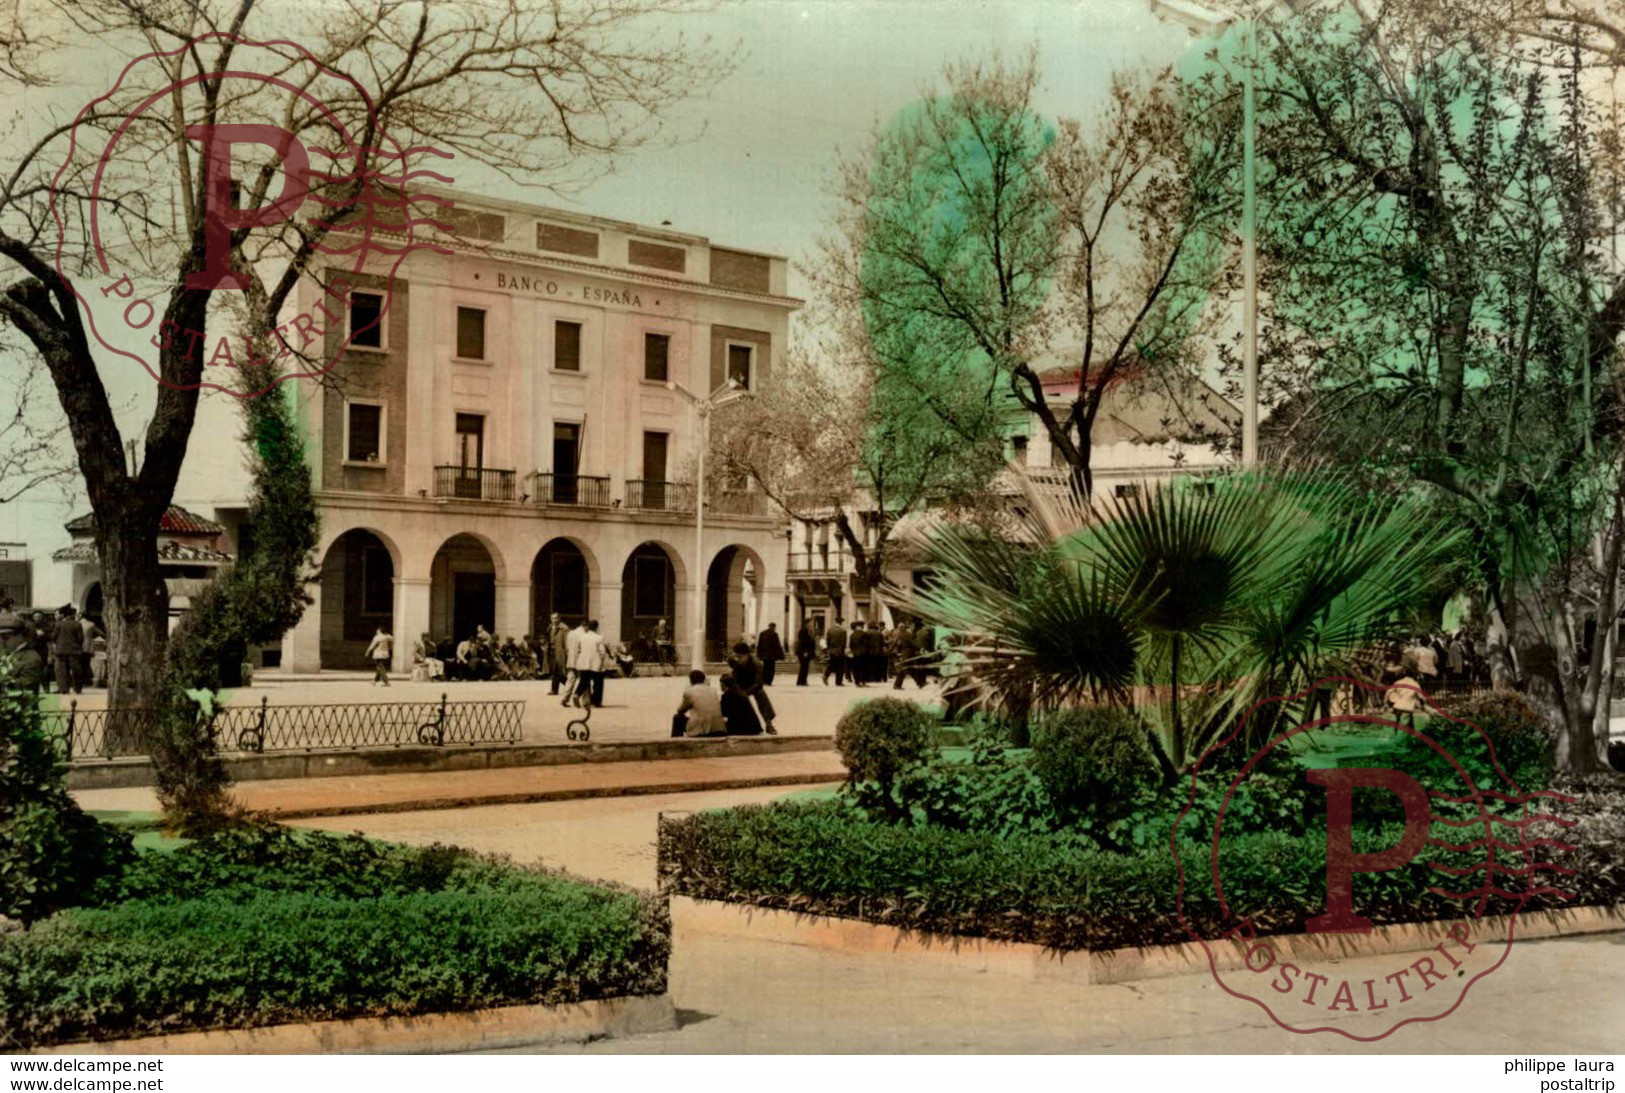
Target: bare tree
(540,91)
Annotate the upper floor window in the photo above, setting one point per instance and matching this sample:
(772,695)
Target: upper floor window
(1018,450)
(567,346)
(657,357)
(471,333)
(363,432)
(1126,490)
(741,362)
(367,320)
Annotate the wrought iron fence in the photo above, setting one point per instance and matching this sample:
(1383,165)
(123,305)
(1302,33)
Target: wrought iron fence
(473,483)
(654,494)
(569,489)
(820,561)
(103,734)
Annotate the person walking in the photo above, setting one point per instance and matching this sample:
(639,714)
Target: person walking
(747,676)
(907,665)
(558,652)
(70,639)
(378,651)
(591,659)
(806,647)
(700,711)
(835,652)
(769,650)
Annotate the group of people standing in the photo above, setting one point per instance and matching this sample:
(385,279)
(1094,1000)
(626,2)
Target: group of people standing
(869,654)
(66,647)
(563,654)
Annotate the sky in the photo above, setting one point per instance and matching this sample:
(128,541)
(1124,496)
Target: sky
(815,78)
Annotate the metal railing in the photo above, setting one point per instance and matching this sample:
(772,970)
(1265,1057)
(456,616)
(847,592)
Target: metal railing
(103,734)
(473,483)
(820,561)
(652,494)
(569,489)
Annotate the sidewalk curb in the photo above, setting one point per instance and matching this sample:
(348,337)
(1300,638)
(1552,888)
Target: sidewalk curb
(137,772)
(424,1034)
(430,804)
(1039,964)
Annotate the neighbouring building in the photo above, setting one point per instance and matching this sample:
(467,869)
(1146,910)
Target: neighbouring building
(507,436)
(1145,432)
(191,548)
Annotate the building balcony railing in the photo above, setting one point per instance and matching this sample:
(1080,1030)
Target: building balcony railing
(589,491)
(650,494)
(820,562)
(474,484)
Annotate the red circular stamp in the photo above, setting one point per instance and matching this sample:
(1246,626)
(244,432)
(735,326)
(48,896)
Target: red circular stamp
(220,203)
(1439,841)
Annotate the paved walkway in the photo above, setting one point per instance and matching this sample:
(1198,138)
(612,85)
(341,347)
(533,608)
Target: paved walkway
(637,709)
(299,797)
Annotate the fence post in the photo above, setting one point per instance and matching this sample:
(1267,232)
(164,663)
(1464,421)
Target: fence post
(73,712)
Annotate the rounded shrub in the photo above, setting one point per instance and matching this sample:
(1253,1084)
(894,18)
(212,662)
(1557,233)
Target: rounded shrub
(881,738)
(1524,744)
(1092,759)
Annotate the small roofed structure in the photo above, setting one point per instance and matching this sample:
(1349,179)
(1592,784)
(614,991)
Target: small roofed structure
(191,549)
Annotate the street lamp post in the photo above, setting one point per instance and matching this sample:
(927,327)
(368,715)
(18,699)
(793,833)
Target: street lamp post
(702,408)
(1205,20)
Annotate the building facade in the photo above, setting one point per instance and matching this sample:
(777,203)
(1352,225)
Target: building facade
(513,429)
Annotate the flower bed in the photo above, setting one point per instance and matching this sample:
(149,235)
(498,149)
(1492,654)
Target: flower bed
(1054,889)
(263,925)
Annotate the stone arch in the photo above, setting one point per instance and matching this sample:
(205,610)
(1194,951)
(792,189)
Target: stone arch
(358,572)
(561,578)
(734,583)
(650,579)
(463,578)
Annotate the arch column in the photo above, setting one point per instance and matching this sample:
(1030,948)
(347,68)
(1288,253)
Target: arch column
(302,645)
(604,604)
(513,608)
(411,617)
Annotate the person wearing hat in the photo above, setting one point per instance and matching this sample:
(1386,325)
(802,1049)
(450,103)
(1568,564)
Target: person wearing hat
(70,642)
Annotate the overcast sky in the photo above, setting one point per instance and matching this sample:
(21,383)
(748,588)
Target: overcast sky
(815,77)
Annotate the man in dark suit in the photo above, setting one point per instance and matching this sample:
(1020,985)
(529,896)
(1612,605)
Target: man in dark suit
(70,642)
(769,650)
(835,652)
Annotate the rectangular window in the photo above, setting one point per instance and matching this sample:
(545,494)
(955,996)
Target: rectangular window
(471,333)
(377,581)
(1018,450)
(364,433)
(566,463)
(1126,491)
(740,358)
(656,357)
(471,440)
(650,580)
(567,346)
(654,456)
(366,320)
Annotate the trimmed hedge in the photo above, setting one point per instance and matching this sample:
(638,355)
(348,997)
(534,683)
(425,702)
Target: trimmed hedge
(1053,889)
(221,936)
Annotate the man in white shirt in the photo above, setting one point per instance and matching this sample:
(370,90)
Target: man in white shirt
(590,659)
(572,653)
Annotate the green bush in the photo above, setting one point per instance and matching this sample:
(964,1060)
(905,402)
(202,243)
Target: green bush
(1054,889)
(1094,762)
(996,791)
(50,849)
(1525,747)
(262,925)
(880,738)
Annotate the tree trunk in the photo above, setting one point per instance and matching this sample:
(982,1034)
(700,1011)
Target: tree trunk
(137,606)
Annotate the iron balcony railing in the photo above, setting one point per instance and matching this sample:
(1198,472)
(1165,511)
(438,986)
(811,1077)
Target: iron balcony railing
(650,494)
(820,561)
(103,734)
(474,483)
(591,491)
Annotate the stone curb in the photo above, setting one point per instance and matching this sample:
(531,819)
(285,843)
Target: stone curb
(430,804)
(136,772)
(425,1034)
(1034,962)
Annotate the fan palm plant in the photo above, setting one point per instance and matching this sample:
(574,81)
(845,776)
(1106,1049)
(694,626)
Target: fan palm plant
(1192,602)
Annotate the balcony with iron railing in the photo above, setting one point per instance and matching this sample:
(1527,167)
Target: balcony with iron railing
(654,495)
(819,563)
(583,490)
(474,484)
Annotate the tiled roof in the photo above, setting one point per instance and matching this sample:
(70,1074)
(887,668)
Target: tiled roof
(171,552)
(175,521)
